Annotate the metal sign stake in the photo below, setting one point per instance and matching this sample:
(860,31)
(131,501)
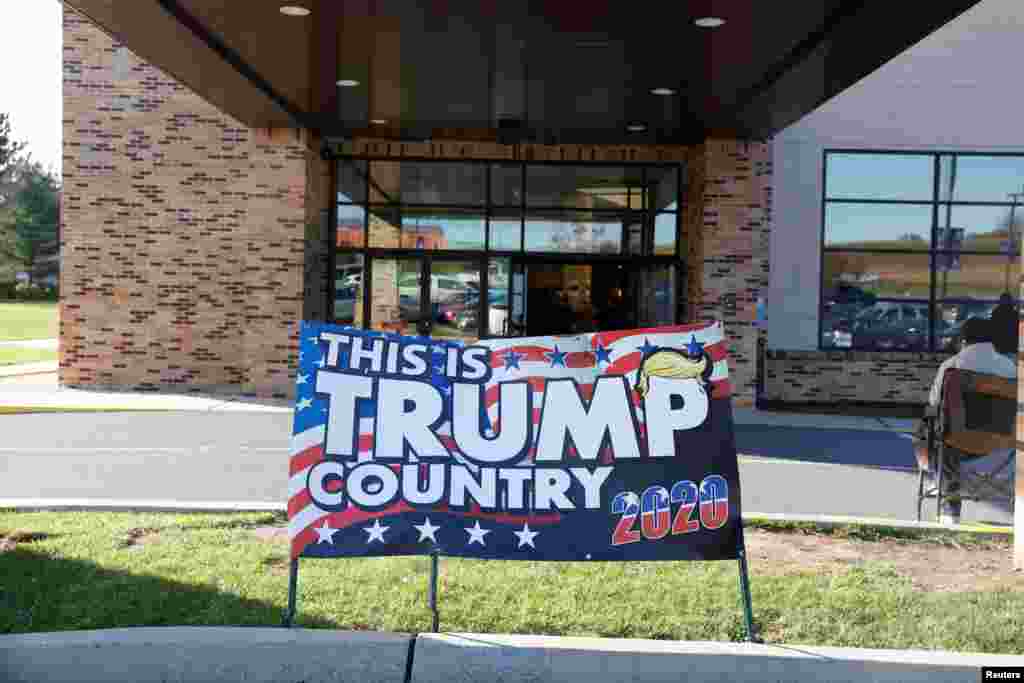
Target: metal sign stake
(748,609)
(432,594)
(293,580)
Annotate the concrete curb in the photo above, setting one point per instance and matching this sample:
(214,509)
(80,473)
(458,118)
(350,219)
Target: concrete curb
(450,658)
(186,654)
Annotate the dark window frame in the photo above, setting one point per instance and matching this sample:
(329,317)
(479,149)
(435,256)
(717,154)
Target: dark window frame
(936,203)
(491,208)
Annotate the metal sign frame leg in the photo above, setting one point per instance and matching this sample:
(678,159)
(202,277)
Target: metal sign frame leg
(748,608)
(293,582)
(432,594)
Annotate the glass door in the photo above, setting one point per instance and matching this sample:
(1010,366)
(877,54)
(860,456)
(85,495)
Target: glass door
(455,298)
(656,295)
(396,295)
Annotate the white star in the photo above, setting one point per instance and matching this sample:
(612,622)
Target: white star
(476,534)
(301,379)
(303,404)
(320,363)
(427,530)
(376,532)
(326,533)
(526,536)
(315,340)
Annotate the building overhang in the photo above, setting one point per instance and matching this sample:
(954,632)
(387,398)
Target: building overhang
(545,72)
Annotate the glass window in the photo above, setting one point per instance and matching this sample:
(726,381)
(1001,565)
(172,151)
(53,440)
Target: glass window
(878,226)
(980,178)
(506,185)
(657,296)
(899,276)
(395,296)
(455,299)
(986,228)
(574,232)
(385,228)
(976,276)
(415,182)
(442,229)
(879,176)
(878,326)
(351,182)
(348,289)
(665,230)
(350,226)
(506,230)
(499,307)
(584,187)
(663,188)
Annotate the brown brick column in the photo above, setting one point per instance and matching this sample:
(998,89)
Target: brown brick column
(182,239)
(726,227)
(318,204)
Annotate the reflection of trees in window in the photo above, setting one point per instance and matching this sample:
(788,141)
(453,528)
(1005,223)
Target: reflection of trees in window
(870,198)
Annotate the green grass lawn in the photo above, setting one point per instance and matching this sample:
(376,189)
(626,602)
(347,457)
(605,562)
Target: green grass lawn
(61,571)
(13,355)
(27,321)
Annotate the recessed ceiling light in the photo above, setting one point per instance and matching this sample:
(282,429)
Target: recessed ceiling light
(378,122)
(347,83)
(709,22)
(663,91)
(294,11)
(636,128)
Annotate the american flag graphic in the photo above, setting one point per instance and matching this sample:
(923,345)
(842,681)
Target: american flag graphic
(315,532)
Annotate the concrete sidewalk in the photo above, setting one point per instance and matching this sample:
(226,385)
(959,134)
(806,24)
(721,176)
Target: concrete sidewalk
(45,396)
(32,398)
(267,654)
(46,344)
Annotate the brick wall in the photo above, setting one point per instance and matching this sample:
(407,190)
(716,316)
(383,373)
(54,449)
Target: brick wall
(183,249)
(829,377)
(727,224)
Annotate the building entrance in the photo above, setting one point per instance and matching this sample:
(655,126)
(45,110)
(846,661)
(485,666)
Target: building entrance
(572,298)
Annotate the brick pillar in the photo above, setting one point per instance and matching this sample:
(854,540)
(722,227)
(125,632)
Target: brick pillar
(318,205)
(182,232)
(726,227)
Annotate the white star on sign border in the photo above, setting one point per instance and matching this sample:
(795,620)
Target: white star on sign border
(427,530)
(476,534)
(376,532)
(526,536)
(326,533)
(302,379)
(304,403)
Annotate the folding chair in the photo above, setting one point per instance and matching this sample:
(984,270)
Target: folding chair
(976,415)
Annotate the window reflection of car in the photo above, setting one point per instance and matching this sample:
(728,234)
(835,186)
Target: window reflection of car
(497,301)
(345,304)
(948,328)
(891,326)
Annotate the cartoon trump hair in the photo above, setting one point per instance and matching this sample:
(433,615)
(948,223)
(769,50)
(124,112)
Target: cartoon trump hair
(691,363)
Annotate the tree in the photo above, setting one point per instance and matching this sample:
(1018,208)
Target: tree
(28,226)
(9,158)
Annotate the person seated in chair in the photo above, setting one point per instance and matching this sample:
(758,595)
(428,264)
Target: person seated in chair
(977,354)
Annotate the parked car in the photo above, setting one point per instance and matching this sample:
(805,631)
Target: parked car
(498,312)
(892,326)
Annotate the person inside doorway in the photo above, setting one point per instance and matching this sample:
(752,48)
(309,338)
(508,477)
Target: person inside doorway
(977,354)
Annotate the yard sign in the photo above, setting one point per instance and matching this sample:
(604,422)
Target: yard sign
(611,446)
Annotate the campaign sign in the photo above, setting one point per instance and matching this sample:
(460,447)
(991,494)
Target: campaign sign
(603,446)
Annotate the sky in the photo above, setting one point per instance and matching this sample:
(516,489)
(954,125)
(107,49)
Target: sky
(30,76)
